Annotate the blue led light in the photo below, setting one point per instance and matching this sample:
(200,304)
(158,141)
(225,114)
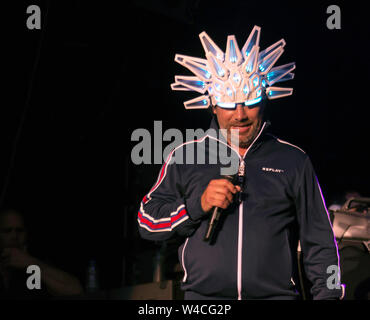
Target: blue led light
(245,89)
(236,77)
(232,52)
(264,83)
(226,105)
(199,69)
(229,92)
(204,102)
(266,64)
(279,93)
(252,43)
(255,81)
(270,75)
(251,102)
(200,84)
(280,74)
(273,75)
(218,68)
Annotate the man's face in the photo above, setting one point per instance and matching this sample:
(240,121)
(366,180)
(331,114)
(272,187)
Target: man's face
(12,231)
(246,119)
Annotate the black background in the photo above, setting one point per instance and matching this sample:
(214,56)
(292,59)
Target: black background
(76,89)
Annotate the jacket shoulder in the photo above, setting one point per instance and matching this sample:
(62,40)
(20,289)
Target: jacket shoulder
(287,148)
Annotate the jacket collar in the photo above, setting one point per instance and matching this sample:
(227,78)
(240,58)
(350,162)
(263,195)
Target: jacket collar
(257,142)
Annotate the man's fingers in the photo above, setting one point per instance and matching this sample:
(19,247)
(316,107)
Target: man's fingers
(219,193)
(222,195)
(221,204)
(224,183)
(219,200)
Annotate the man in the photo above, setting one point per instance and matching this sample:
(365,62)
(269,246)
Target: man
(275,203)
(15,258)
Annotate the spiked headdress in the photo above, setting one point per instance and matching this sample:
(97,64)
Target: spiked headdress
(237,76)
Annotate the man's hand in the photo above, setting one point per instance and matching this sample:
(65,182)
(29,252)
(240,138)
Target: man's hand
(16,258)
(219,193)
(57,282)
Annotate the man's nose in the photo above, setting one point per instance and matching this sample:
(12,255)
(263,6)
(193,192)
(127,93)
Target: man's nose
(240,112)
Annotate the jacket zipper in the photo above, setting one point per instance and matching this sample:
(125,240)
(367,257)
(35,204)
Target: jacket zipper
(241,171)
(240,231)
(240,237)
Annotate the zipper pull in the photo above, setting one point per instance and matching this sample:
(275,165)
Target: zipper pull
(241,170)
(241,178)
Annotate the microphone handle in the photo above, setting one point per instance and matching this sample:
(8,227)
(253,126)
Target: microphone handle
(212,223)
(216,214)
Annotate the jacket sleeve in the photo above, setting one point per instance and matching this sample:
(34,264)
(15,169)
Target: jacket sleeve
(165,211)
(318,243)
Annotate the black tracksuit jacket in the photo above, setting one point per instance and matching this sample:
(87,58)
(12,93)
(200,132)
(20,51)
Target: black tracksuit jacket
(254,253)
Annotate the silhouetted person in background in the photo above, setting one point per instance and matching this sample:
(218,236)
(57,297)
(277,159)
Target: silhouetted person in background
(15,258)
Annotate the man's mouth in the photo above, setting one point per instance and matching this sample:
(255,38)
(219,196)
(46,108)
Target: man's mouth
(242,128)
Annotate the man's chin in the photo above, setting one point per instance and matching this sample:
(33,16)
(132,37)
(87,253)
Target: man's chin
(241,141)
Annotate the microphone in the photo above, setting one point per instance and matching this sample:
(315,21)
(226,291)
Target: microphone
(216,214)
